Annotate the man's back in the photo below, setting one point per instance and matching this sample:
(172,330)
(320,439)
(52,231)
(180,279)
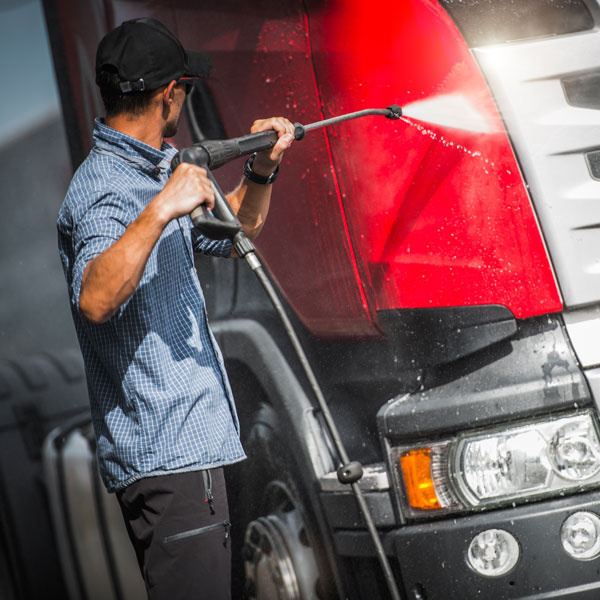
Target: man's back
(159,394)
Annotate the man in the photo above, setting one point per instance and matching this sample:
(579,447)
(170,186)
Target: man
(162,408)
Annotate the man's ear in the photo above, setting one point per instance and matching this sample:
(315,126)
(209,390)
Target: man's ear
(169,93)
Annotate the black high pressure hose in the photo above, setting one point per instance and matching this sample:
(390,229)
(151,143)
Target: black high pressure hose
(223,223)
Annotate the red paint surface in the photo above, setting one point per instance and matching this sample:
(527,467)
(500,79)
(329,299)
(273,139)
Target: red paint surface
(438,216)
(263,67)
(372,214)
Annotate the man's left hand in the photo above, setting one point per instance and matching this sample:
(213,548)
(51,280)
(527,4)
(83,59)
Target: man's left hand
(267,160)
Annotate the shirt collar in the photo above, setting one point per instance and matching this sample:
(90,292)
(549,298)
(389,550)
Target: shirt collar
(108,139)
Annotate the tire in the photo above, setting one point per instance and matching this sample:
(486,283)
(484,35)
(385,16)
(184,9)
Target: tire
(37,393)
(279,555)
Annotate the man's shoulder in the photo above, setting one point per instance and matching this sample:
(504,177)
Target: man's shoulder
(97,177)
(99,168)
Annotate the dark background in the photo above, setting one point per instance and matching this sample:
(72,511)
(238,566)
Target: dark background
(34,174)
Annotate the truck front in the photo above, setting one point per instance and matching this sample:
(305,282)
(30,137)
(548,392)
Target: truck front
(443,271)
(475,229)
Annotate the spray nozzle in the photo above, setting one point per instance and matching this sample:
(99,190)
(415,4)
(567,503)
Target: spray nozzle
(394,111)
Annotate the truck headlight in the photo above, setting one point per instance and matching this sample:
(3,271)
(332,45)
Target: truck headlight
(496,466)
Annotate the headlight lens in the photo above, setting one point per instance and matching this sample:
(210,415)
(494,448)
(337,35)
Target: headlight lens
(503,465)
(574,451)
(499,466)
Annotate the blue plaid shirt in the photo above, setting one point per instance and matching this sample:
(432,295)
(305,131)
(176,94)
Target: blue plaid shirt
(160,398)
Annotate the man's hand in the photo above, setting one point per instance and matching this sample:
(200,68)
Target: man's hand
(267,160)
(187,188)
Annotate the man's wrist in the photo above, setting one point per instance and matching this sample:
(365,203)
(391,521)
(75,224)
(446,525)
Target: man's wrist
(261,166)
(159,211)
(255,173)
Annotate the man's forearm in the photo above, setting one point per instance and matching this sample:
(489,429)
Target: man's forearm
(250,202)
(110,279)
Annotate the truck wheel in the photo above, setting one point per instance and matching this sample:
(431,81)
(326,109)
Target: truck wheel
(280,556)
(279,560)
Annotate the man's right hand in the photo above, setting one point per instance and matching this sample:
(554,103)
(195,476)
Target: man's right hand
(187,188)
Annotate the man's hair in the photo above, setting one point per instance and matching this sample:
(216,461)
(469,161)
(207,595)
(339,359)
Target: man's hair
(116,102)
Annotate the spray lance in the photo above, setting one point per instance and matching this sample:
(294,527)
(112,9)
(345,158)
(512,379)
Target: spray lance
(224,224)
(212,154)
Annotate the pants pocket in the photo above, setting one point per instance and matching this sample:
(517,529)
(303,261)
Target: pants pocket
(225,525)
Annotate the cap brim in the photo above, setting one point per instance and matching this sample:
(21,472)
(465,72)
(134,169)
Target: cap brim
(199,64)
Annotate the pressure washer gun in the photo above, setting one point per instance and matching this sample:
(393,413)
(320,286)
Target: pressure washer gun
(211,154)
(222,223)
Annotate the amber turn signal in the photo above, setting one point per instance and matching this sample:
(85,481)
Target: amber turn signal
(416,471)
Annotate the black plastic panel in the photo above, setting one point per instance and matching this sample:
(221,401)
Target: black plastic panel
(533,373)
(593,163)
(583,90)
(486,22)
(341,510)
(202,114)
(443,335)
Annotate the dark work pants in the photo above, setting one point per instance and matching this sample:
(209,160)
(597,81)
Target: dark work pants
(183,550)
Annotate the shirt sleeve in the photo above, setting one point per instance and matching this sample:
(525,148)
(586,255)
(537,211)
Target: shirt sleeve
(205,245)
(98,228)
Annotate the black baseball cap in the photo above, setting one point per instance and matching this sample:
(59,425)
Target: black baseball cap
(146,55)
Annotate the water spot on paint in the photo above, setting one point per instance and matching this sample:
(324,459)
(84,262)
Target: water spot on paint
(439,138)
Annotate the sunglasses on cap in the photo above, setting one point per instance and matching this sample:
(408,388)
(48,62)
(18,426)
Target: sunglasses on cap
(188,82)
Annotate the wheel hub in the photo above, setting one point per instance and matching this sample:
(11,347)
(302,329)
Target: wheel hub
(278,559)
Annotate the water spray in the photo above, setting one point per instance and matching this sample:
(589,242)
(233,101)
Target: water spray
(222,223)
(454,111)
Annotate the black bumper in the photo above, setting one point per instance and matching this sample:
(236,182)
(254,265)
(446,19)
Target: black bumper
(431,556)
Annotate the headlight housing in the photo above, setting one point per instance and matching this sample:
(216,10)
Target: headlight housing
(498,466)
